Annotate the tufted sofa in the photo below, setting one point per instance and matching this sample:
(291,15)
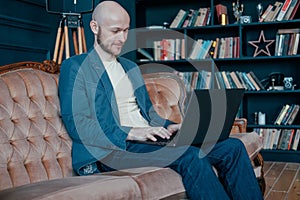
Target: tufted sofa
(35,149)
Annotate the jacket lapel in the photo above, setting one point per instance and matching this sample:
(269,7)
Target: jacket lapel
(105,81)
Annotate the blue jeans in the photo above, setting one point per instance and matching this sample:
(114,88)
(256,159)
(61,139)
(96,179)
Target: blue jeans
(236,178)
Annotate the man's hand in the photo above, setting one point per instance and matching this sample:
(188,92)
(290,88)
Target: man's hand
(173,128)
(149,133)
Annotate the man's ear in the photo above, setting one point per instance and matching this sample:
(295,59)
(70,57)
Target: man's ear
(94,26)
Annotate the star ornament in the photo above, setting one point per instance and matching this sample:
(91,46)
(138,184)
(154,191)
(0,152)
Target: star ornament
(261,45)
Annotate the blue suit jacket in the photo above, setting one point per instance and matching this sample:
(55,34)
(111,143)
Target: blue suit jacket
(89,109)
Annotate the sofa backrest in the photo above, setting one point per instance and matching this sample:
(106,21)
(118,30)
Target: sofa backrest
(167,93)
(34,145)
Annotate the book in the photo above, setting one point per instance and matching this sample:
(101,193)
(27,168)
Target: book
(188,18)
(247,81)
(293,115)
(220,80)
(288,30)
(240,76)
(285,138)
(165,46)
(296,140)
(212,48)
(179,19)
(206,21)
(177,49)
(236,80)
(267,135)
(290,10)
(257,88)
(216,51)
(296,44)
(204,50)
(195,49)
(286,44)
(282,114)
(278,5)
(156,50)
(257,80)
(182,50)
(279,46)
(266,12)
(225,79)
(288,114)
(201,17)
(222,47)
(283,10)
(274,11)
(276,138)
(291,138)
(206,80)
(230,80)
(294,10)
(221,10)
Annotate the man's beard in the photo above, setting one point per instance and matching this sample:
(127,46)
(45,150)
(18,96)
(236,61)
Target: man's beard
(100,43)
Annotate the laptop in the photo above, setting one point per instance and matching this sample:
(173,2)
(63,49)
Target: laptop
(209,117)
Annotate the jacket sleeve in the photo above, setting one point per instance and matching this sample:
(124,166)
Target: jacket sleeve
(87,115)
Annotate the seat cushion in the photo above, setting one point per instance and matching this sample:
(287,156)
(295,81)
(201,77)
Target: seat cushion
(80,187)
(137,183)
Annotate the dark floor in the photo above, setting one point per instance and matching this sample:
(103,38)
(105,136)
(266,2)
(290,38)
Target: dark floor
(282,180)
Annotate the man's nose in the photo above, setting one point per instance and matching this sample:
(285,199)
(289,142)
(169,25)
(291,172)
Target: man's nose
(123,36)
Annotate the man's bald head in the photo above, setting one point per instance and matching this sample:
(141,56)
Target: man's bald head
(110,25)
(109,11)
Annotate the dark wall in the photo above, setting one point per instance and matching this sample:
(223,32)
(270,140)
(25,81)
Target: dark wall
(28,32)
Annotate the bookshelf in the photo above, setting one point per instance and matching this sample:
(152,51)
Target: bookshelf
(153,14)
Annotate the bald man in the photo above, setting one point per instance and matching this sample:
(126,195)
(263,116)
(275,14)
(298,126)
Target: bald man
(106,108)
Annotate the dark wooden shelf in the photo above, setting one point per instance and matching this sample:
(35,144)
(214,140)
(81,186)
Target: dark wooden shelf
(156,12)
(281,155)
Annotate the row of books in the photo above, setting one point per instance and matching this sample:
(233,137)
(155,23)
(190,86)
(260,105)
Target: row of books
(280,11)
(191,18)
(287,42)
(279,139)
(227,47)
(224,80)
(287,114)
(165,49)
(195,80)
(236,79)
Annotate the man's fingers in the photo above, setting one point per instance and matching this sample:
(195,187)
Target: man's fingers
(163,133)
(151,137)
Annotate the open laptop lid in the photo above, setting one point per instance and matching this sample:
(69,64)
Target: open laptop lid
(209,116)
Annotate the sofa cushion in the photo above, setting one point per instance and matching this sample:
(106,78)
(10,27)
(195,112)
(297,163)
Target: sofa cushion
(138,183)
(80,187)
(34,143)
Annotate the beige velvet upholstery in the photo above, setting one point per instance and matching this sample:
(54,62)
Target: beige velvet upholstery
(167,93)
(34,143)
(35,149)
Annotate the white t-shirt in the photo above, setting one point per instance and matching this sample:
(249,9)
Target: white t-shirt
(128,109)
